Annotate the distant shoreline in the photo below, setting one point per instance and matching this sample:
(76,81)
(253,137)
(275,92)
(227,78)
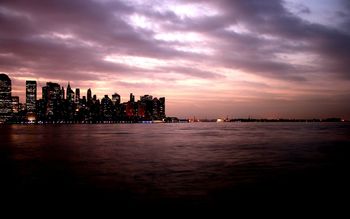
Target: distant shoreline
(288,120)
(183,121)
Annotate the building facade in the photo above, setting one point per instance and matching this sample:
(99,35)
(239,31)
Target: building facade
(5,98)
(31,91)
(15,104)
(52,98)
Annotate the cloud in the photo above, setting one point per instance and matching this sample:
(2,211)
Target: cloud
(272,18)
(270,23)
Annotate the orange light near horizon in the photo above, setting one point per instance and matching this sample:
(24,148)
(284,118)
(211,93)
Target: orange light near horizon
(31,119)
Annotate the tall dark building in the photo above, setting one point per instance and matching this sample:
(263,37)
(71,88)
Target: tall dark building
(70,93)
(132,98)
(89,95)
(141,109)
(5,98)
(31,96)
(129,109)
(107,108)
(62,93)
(83,100)
(41,110)
(15,104)
(147,101)
(146,97)
(155,110)
(77,95)
(162,107)
(52,97)
(116,99)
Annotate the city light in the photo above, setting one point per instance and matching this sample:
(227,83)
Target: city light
(60,105)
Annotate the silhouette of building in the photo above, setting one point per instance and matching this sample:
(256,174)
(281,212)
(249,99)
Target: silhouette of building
(116,99)
(132,98)
(77,95)
(5,98)
(41,110)
(147,101)
(141,109)
(146,97)
(62,93)
(70,93)
(52,98)
(162,107)
(107,108)
(129,109)
(15,104)
(155,110)
(89,95)
(31,92)
(83,100)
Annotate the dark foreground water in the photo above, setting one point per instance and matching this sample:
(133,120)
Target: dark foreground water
(177,166)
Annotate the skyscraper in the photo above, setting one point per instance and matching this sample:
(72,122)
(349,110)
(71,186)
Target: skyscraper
(70,93)
(15,104)
(52,97)
(5,98)
(132,98)
(31,96)
(107,108)
(129,109)
(141,109)
(62,93)
(162,107)
(77,95)
(116,99)
(89,95)
(155,110)
(146,97)
(147,101)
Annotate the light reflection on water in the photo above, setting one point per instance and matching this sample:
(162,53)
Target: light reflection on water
(199,161)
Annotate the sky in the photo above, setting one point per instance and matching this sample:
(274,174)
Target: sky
(210,59)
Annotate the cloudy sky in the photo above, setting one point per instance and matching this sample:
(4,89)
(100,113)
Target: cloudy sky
(218,58)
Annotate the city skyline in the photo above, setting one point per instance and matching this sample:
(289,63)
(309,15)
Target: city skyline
(60,105)
(210,59)
(37,109)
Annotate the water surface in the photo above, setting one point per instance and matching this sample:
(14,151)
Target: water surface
(196,165)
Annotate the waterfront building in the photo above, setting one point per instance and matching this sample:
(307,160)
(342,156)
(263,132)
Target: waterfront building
(15,104)
(89,95)
(5,98)
(116,99)
(77,95)
(31,92)
(51,94)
